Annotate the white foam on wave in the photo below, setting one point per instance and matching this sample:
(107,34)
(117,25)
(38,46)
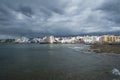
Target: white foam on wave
(116,72)
(116,79)
(79,48)
(76,48)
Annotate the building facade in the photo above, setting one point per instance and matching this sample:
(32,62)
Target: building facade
(110,38)
(49,39)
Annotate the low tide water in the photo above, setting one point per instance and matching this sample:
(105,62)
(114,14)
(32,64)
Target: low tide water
(56,62)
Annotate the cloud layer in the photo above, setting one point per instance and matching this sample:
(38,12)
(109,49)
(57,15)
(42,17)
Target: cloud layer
(58,17)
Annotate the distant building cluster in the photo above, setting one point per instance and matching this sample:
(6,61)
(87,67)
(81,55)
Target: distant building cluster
(66,40)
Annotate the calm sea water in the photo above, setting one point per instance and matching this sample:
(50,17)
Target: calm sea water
(55,62)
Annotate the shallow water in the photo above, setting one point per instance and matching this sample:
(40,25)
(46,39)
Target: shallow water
(55,62)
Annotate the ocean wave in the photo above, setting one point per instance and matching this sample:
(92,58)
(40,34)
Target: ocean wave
(116,72)
(116,79)
(80,48)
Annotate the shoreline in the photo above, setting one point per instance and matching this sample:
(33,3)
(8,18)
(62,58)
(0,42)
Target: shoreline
(105,48)
(97,48)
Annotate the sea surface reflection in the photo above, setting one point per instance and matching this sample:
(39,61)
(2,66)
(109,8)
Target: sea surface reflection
(56,62)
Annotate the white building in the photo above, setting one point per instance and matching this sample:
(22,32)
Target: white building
(118,40)
(36,40)
(49,39)
(21,40)
(68,40)
(91,39)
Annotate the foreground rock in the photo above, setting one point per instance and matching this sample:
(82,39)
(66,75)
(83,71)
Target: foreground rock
(106,48)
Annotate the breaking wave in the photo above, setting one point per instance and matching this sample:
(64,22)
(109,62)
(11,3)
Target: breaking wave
(84,49)
(116,72)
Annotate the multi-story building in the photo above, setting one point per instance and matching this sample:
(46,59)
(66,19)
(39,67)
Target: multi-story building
(49,39)
(110,38)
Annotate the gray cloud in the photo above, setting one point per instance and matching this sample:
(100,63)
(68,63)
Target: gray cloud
(112,9)
(58,17)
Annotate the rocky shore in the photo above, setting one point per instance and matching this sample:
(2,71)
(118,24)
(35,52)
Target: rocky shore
(105,48)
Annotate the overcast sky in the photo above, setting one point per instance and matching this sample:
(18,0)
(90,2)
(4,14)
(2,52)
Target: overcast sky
(58,17)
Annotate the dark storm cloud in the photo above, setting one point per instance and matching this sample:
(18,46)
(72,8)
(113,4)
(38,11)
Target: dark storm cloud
(4,14)
(26,11)
(112,9)
(58,17)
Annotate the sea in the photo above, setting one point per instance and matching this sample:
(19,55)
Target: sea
(56,62)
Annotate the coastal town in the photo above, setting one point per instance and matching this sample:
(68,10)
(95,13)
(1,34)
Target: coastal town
(104,39)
